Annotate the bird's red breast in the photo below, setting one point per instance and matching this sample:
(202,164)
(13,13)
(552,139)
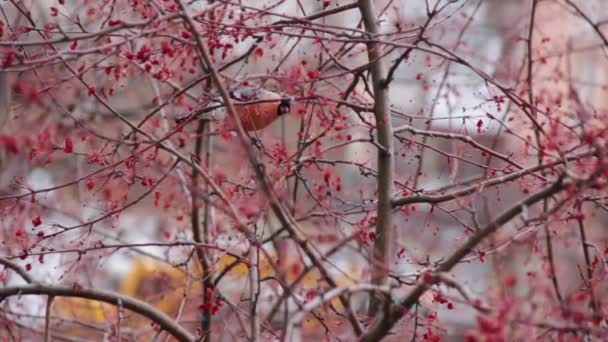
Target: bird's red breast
(259,114)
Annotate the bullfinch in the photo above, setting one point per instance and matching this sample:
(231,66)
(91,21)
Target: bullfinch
(257,107)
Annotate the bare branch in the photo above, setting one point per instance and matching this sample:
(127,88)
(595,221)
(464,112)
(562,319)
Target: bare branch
(383,325)
(384,228)
(164,322)
(13,266)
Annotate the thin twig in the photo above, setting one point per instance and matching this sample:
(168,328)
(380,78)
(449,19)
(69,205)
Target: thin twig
(384,325)
(20,271)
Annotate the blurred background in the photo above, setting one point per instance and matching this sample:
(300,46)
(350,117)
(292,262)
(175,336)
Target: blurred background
(74,179)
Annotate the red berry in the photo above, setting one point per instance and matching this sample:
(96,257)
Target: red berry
(36,221)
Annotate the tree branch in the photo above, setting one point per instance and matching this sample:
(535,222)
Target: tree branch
(439,198)
(318,15)
(383,325)
(164,322)
(13,266)
(200,237)
(276,205)
(384,227)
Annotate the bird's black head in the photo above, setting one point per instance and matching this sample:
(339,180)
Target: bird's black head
(284,106)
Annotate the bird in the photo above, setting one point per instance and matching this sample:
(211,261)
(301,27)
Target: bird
(257,108)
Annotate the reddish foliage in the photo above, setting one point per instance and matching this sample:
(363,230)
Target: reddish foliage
(68,146)
(468,179)
(36,221)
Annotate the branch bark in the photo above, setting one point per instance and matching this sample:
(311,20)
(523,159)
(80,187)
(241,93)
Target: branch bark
(164,322)
(13,266)
(200,237)
(381,260)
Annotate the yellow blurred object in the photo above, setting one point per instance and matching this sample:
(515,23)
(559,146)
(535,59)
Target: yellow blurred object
(292,266)
(87,310)
(80,312)
(163,286)
(158,284)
